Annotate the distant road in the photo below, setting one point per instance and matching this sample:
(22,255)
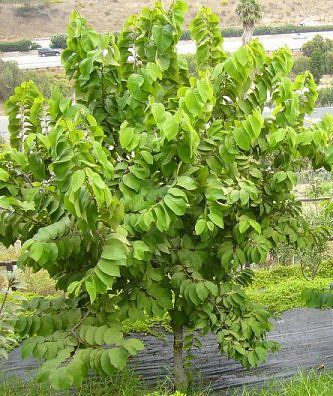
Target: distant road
(270,42)
(231,44)
(3,126)
(318,114)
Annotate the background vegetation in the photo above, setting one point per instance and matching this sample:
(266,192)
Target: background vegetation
(20,45)
(47,17)
(11,76)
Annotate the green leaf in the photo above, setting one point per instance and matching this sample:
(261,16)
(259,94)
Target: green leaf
(118,358)
(43,253)
(200,226)
(217,219)
(158,111)
(176,204)
(243,226)
(106,363)
(46,326)
(109,267)
(5,203)
(91,290)
(193,102)
(242,138)
(99,335)
(77,181)
(133,346)
(162,36)
(139,250)
(114,249)
(134,84)
(202,291)
(255,225)
(128,138)
(112,335)
(147,157)
(187,182)
(89,335)
(27,349)
(61,379)
(132,182)
(170,127)
(4,175)
(162,218)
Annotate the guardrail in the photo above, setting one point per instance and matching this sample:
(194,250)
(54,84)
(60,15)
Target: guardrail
(319,199)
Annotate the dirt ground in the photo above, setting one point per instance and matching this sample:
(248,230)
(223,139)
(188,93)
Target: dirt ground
(46,17)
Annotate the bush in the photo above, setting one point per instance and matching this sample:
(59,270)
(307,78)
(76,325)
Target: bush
(11,76)
(21,45)
(46,81)
(35,46)
(59,40)
(319,51)
(301,64)
(325,97)
(191,63)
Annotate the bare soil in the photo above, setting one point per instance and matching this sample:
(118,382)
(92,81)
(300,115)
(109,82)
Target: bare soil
(45,17)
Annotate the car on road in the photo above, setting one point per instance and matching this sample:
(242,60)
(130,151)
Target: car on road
(48,52)
(300,36)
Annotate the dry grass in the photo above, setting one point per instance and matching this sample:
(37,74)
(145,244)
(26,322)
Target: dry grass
(36,283)
(109,15)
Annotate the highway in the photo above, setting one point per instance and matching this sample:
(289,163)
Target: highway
(271,42)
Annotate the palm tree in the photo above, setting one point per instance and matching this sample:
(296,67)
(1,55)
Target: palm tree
(249,12)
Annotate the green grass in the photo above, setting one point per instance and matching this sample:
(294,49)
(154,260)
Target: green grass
(280,288)
(129,384)
(303,384)
(122,384)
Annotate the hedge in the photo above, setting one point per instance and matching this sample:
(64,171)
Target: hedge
(21,45)
(264,30)
(59,40)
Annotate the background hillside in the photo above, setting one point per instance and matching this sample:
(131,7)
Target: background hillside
(43,17)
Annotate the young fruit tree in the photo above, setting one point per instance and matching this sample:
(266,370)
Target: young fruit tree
(148,194)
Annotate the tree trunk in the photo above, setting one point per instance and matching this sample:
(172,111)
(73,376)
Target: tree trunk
(181,380)
(247,33)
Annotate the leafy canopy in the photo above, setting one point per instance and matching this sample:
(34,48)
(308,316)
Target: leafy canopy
(249,12)
(149,193)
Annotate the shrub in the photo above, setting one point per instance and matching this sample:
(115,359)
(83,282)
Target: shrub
(47,80)
(191,63)
(319,51)
(11,76)
(35,46)
(301,64)
(59,41)
(21,45)
(325,97)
